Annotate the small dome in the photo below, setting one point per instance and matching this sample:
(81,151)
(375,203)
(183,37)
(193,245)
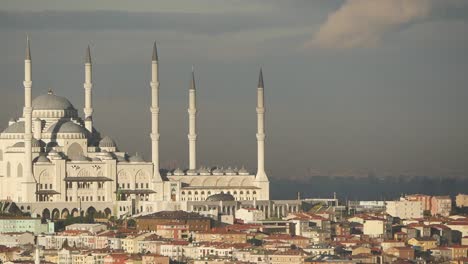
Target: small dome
(178,171)
(107,142)
(218,171)
(66,127)
(17,127)
(42,158)
(220,197)
(136,158)
(51,102)
(243,171)
(229,171)
(204,171)
(192,172)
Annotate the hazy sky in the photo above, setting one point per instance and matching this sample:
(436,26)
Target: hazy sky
(351,86)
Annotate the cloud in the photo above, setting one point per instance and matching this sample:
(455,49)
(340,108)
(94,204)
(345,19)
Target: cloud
(364,23)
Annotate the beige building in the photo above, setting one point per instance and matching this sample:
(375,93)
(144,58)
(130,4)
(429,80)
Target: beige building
(425,243)
(441,205)
(221,236)
(461,200)
(374,227)
(155,259)
(405,209)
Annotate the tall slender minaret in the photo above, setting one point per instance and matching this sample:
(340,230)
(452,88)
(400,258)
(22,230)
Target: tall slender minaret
(29,188)
(88,86)
(192,135)
(261,176)
(155,114)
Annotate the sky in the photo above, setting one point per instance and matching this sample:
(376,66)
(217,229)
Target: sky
(352,87)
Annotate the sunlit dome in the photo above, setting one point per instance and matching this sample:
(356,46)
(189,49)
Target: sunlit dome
(51,101)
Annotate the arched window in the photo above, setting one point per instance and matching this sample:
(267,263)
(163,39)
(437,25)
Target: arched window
(19,172)
(8,170)
(183,192)
(254,192)
(189,192)
(241,192)
(202,192)
(196,192)
(74,151)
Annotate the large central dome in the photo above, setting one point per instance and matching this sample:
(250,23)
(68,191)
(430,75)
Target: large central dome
(51,102)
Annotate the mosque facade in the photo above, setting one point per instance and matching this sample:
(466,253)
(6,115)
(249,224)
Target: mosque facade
(55,163)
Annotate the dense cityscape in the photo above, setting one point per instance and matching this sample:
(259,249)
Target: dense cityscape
(416,228)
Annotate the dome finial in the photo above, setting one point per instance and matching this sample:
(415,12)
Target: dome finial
(155,52)
(50,92)
(88,55)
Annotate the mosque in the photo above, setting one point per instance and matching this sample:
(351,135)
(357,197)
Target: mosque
(54,163)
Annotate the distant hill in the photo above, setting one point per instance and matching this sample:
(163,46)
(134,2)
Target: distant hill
(366,188)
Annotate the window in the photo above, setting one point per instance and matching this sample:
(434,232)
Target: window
(8,169)
(147,185)
(19,171)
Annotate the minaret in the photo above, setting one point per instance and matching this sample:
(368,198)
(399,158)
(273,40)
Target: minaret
(29,188)
(155,114)
(261,176)
(88,86)
(192,135)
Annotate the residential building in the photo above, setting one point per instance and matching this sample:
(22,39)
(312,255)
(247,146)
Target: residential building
(441,205)
(461,200)
(24,224)
(424,243)
(405,209)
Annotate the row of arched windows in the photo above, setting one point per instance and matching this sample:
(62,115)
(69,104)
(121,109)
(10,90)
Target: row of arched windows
(209,192)
(19,170)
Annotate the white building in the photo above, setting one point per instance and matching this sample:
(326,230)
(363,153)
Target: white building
(92,228)
(249,215)
(404,209)
(54,163)
(374,227)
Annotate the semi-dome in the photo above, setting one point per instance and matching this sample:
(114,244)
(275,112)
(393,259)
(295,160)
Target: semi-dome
(34,143)
(17,127)
(107,142)
(51,102)
(66,127)
(220,197)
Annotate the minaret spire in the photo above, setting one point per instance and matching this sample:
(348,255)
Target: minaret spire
(260,79)
(155,115)
(192,135)
(88,86)
(28,49)
(261,177)
(30,185)
(155,53)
